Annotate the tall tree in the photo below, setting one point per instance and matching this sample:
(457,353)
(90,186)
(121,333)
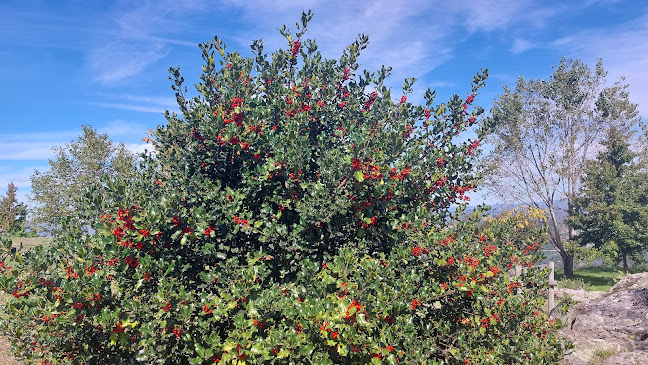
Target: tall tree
(545,132)
(12,213)
(78,165)
(611,209)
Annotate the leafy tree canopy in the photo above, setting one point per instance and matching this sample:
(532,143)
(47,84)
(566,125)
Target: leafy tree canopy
(77,166)
(12,213)
(610,211)
(545,131)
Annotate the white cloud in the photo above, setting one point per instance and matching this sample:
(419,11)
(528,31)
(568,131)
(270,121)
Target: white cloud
(137,37)
(139,147)
(147,104)
(120,128)
(440,84)
(38,136)
(489,15)
(413,37)
(25,151)
(520,45)
(134,107)
(119,60)
(20,176)
(404,35)
(39,146)
(32,146)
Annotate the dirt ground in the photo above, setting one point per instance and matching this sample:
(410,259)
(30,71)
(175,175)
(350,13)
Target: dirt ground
(5,354)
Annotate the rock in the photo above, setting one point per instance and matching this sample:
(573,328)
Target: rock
(587,350)
(579,295)
(581,298)
(635,357)
(610,328)
(631,282)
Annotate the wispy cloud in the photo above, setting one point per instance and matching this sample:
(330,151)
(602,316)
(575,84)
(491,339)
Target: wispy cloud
(440,84)
(403,35)
(137,108)
(490,15)
(19,151)
(520,45)
(20,176)
(414,37)
(140,34)
(39,146)
(32,146)
(119,60)
(120,128)
(146,104)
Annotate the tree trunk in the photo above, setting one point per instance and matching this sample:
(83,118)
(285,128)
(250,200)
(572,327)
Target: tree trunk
(556,241)
(625,264)
(568,264)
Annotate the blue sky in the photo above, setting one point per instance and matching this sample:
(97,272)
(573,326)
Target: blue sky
(67,63)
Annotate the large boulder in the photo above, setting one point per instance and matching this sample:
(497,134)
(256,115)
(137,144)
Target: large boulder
(613,328)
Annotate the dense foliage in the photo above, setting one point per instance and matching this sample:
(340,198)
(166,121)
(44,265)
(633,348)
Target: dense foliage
(611,210)
(526,222)
(294,213)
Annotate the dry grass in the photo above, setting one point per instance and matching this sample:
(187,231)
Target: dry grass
(601,354)
(29,242)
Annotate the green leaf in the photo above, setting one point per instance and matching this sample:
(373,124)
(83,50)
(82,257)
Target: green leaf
(199,350)
(342,350)
(283,353)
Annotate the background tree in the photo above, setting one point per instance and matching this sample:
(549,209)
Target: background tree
(526,222)
(545,132)
(77,166)
(611,209)
(12,213)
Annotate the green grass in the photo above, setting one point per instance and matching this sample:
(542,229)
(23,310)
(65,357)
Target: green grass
(598,278)
(574,284)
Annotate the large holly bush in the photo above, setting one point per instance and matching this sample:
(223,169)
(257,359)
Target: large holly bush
(295,212)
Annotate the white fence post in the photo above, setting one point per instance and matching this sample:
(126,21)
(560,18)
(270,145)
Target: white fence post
(552,286)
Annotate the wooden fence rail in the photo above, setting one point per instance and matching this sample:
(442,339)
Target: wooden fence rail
(552,285)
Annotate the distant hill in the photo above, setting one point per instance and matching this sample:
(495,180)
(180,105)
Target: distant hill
(561,207)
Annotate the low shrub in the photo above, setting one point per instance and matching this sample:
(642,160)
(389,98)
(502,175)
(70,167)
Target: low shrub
(576,283)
